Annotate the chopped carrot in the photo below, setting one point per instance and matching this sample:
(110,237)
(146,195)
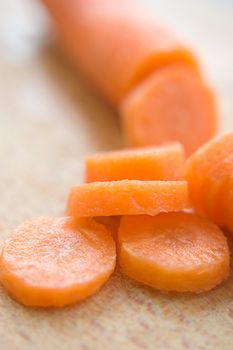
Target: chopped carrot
(206,172)
(214,190)
(221,204)
(173,104)
(173,252)
(52,262)
(157,163)
(127,197)
(114,44)
(227,200)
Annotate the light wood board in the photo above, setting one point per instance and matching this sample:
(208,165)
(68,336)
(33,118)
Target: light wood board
(48,121)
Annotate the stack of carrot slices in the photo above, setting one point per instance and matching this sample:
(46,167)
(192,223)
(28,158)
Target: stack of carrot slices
(135,200)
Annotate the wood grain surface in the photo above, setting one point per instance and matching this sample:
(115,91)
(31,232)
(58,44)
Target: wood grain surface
(49,120)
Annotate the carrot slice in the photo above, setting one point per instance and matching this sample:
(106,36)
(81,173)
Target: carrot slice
(215,192)
(114,44)
(199,166)
(173,104)
(173,252)
(226,202)
(50,262)
(158,163)
(127,197)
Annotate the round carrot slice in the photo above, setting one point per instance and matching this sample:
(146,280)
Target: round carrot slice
(127,197)
(173,252)
(199,166)
(173,104)
(157,163)
(52,262)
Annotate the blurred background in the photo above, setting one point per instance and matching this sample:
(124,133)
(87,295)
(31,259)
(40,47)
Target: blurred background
(48,120)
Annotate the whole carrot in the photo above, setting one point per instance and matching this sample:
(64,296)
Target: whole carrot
(117,48)
(113,43)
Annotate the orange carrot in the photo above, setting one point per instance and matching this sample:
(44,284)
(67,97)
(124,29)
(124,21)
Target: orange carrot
(127,197)
(173,252)
(173,104)
(227,200)
(51,262)
(215,191)
(158,163)
(114,44)
(207,171)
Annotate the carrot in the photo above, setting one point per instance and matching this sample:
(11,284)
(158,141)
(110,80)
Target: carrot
(114,44)
(206,172)
(50,262)
(173,104)
(127,197)
(226,201)
(219,196)
(215,192)
(173,252)
(158,163)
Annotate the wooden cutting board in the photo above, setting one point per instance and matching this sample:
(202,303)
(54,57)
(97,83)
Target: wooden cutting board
(49,120)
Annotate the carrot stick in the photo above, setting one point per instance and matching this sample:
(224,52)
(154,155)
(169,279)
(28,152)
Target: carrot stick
(158,163)
(50,262)
(206,171)
(127,197)
(173,104)
(114,44)
(173,252)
